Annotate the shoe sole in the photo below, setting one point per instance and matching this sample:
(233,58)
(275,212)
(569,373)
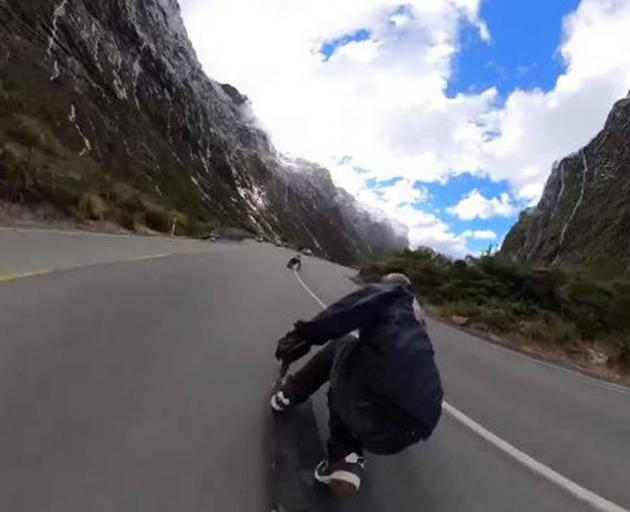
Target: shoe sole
(341,488)
(341,483)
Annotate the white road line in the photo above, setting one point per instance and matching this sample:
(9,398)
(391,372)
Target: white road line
(579,492)
(595,501)
(308,290)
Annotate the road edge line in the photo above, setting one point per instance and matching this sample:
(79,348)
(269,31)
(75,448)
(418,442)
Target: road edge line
(576,490)
(308,290)
(5,278)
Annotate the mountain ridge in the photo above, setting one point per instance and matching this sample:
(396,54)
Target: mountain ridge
(583,216)
(107,104)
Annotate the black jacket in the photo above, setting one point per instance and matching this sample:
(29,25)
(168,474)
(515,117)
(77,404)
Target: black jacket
(385,385)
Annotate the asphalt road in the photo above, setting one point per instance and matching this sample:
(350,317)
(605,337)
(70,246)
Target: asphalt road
(26,250)
(142,386)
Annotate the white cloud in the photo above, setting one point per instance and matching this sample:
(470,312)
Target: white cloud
(476,206)
(426,229)
(403,192)
(404,201)
(482,234)
(382,101)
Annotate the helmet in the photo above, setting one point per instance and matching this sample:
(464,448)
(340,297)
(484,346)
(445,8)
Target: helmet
(396,278)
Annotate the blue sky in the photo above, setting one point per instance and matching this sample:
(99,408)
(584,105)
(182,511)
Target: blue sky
(521,54)
(330,46)
(450,112)
(445,195)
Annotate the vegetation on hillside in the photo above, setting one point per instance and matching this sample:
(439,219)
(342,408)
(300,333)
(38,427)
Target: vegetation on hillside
(555,305)
(36,168)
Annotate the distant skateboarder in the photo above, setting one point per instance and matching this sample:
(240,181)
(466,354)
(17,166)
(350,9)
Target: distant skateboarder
(385,390)
(295,263)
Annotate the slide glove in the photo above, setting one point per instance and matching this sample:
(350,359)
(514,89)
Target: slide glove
(291,348)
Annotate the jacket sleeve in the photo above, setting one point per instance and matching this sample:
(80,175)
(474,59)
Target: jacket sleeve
(349,313)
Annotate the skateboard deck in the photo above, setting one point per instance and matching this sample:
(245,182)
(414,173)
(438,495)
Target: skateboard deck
(296,450)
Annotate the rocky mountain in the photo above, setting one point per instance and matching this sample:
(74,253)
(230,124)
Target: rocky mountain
(583,217)
(106,111)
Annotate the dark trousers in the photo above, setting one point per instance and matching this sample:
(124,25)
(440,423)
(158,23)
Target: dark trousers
(312,376)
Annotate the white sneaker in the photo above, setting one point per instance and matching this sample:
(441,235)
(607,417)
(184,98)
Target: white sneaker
(279,402)
(343,476)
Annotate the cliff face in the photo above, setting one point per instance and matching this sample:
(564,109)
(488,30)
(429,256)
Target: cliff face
(583,216)
(109,99)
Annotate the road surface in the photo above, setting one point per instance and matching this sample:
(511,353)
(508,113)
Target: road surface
(132,384)
(26,250)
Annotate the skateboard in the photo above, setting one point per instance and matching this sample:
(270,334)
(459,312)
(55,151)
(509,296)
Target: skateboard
(295,451)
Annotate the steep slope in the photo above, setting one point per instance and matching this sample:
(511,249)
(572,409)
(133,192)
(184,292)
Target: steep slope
(104,107)
(583,216)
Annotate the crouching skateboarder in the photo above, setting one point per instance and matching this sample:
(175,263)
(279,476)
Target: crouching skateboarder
(295,263)
(385,391)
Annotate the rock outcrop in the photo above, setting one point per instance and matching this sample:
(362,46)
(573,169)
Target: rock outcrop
(108,98)
(583,217)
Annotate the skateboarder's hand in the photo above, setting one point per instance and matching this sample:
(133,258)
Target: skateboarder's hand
(291,348)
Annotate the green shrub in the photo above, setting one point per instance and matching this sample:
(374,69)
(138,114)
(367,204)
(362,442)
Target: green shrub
(464,309)
(620,342)
(158,218)
(198,229)
(130,220)
(551,329)
(31,132)
(620,307)
(124,194)
(623,344)
(180,222)
(93,206)
(494,318)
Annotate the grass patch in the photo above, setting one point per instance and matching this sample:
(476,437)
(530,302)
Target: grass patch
(157,217)
(550,329)
(93,206)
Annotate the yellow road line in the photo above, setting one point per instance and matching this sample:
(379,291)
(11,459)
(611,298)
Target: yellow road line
(149,257)
(22,275)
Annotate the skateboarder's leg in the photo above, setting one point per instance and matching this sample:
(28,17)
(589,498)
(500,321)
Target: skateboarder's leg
(342,442)
(343,469)
(313,375)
